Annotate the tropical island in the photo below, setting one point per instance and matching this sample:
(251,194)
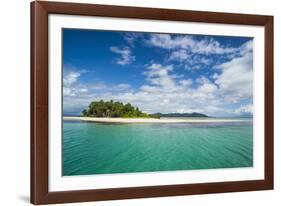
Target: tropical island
(115,109)
(117,112)
(118,109)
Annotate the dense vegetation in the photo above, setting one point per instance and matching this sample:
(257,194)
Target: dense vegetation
(114,109)
(193,114)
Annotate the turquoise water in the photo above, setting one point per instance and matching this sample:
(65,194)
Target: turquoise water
(95,148)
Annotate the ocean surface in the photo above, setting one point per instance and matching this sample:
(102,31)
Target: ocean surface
(98,148)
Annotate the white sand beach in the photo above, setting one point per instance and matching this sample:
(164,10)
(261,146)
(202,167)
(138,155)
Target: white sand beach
(152,120)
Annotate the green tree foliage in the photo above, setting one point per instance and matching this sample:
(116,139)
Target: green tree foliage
(114,109)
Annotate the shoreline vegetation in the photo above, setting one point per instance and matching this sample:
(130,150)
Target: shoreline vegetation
(111,109)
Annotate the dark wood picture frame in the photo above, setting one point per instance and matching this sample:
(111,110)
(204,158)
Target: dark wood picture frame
(39,102)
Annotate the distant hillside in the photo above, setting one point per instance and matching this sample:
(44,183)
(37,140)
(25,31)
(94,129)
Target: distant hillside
(193,114)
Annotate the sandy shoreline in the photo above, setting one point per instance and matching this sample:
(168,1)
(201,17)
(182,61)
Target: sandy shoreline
(151,120)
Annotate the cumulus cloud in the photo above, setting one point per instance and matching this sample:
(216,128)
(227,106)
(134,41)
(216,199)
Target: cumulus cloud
(166,41)
(164,93)
(126,56)
(193,53)
(132,37)
(70,77)
(235,80)
(158,75)
(203,46)
(164,90)
(77,95)
(179,55)
(186,82)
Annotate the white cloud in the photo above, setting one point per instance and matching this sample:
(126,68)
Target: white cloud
(166,41)
(71,80)
(126,55)
(196,62)
(76,94)
(235,80)
(158,70)
(186,82)
(121,87)
(206,87)
(67,92)
(246,109)
(180,55)
(83,90)
(132,37)
(188,42)
(246,48)
(70,77)
(77,89)
(211,46)
(165,91)
(95,86)
(205,61)
(158,75)
(192,53)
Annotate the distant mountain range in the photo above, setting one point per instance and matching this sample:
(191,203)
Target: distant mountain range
(193,114)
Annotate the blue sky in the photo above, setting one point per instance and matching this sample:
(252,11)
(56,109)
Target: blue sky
(158,72)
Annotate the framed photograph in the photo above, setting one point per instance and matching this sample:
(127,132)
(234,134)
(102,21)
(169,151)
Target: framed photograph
(133,102)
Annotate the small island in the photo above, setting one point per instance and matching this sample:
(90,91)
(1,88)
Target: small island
(115,109)
(118,112)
